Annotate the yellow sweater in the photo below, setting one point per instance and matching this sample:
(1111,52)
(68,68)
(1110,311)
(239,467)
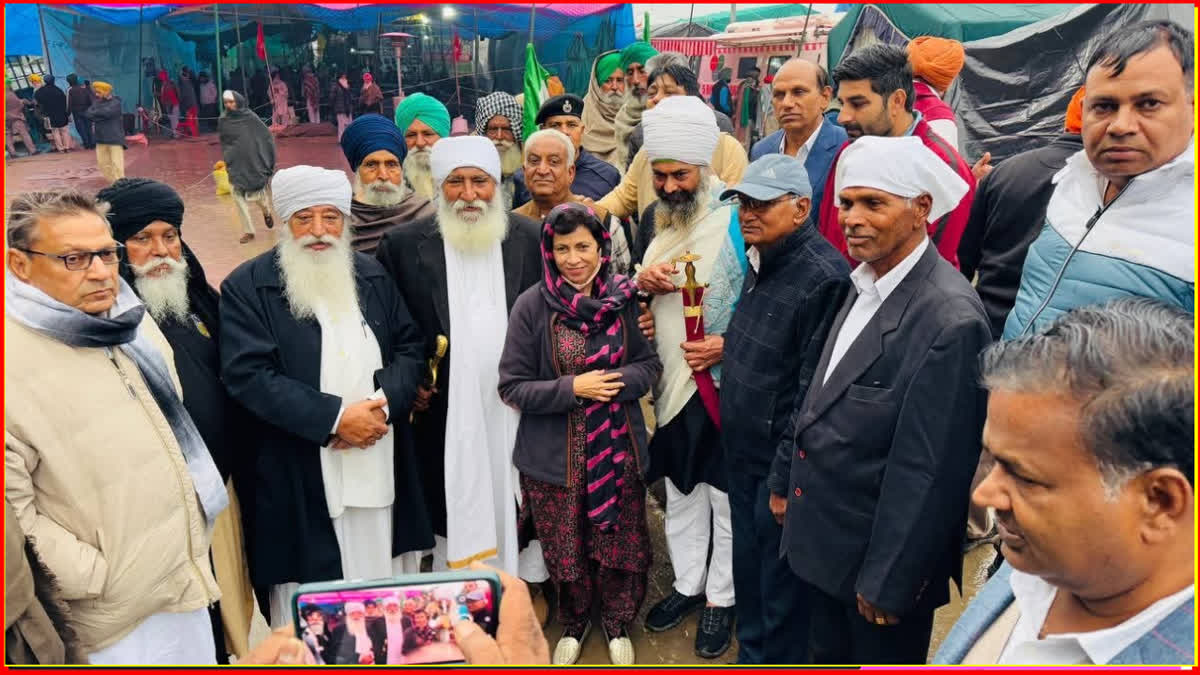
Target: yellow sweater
(636,190)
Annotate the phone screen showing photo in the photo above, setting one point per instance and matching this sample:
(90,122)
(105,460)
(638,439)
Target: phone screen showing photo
(393,625)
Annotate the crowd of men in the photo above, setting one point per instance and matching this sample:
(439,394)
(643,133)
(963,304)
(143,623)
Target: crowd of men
(885,334)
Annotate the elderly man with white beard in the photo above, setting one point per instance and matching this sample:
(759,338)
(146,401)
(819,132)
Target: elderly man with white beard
(689,218)
(147,217)
(320,348)
(422,120)
(375,149)
(500,118)
(460,273)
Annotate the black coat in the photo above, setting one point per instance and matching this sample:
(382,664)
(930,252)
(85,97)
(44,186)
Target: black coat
(414,255)
(107,116)
(885,450)
(52,101)
(1008,213)
(271,363)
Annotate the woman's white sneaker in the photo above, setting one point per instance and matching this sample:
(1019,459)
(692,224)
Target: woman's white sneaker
(620,649)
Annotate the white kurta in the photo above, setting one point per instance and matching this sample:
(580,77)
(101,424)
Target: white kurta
(481,481)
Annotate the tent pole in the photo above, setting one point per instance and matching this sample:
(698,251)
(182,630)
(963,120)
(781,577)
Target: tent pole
(217,35)
(804,35)
(45,45)
(532,18)
(691,13)
(237,27)
(141,63)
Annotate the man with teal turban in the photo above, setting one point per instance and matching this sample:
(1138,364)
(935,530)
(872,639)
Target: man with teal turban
(422,120)
(605,96)
(633,62)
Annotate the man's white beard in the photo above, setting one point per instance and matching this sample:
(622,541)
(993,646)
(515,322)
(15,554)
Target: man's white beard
(613,98)
(313,279)
(419,173)
(510,157)
(681,216)
(382,192)
(165,296)
(480,234)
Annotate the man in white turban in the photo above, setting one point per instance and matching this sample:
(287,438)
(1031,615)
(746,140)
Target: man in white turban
(357,641)
(318,345)
(873,489)
(680,136)
(460,271)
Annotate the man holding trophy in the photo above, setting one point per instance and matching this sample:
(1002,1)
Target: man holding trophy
(692,304)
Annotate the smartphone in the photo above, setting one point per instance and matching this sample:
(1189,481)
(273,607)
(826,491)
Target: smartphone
(405,619)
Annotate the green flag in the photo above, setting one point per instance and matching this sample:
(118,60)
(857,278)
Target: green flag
(536,92)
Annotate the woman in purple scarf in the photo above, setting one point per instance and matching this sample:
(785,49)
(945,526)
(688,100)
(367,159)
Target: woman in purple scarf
(575,365)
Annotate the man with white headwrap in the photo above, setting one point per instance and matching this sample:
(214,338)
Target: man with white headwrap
(320,348)
(460,272)
(873,491)
(500,118)
(681,135)
(357,641)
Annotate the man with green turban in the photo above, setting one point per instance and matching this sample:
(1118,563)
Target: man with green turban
(422,120)
(633,63)
(605,96)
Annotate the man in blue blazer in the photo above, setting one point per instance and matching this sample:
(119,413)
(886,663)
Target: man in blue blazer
(800,94)
(1090,424)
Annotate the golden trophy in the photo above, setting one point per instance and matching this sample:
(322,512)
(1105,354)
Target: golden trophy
(441,346)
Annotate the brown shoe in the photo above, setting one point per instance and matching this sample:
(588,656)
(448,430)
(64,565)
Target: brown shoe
(245,238)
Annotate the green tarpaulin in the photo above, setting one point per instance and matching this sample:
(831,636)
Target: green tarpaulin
(959,22)
(719,20)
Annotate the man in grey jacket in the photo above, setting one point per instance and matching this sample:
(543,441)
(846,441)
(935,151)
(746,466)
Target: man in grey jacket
(1089,423)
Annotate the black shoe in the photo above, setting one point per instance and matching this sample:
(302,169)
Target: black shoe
(268,220)
(671,611)
(715,632)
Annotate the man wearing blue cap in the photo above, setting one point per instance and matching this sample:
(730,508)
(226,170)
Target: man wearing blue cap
(792,289)
(375,149)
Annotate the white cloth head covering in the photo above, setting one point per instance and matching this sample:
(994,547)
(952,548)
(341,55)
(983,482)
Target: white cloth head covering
(354,606)
(391,600)
(301,187)
(681,128)
(902,166)
(456,152)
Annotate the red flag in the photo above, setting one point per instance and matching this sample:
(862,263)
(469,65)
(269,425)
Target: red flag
(260,47)
(458,50)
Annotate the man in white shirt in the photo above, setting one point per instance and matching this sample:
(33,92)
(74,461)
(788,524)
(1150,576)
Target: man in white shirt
(1090,424)
(886,437)
(318,345)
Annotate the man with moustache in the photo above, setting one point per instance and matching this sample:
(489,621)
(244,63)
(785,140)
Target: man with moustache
(605,96)
(393,619)
(1091,427)
(681,135)
(319,347)
(375,149)
(103,466)
(875,88)
(1121,220)
(550,164)
(422,120)
(873,483)
(799,96)
(357,641)
(593,177)
(500,118)
(460,272)
(792,290)
(633,63)
(147,217)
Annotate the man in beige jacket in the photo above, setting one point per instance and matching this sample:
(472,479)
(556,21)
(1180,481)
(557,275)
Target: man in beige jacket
(103,466)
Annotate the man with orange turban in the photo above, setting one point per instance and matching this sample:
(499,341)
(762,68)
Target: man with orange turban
(935,63)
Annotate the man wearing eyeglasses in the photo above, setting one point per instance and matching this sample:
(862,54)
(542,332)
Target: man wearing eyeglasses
(500,117)
(104,467)
(792,290)
(375,148)
(594,177)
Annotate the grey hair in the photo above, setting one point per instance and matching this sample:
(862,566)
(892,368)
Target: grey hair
(663,59)
(27,209)
(1129,364)
(556,135)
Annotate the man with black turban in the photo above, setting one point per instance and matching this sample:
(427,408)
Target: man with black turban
(146,216)
(375,149)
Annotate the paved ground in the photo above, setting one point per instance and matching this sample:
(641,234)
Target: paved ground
(211,230)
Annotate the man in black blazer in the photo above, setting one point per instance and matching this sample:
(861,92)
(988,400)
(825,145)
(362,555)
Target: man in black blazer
(875,486)
(470,223)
